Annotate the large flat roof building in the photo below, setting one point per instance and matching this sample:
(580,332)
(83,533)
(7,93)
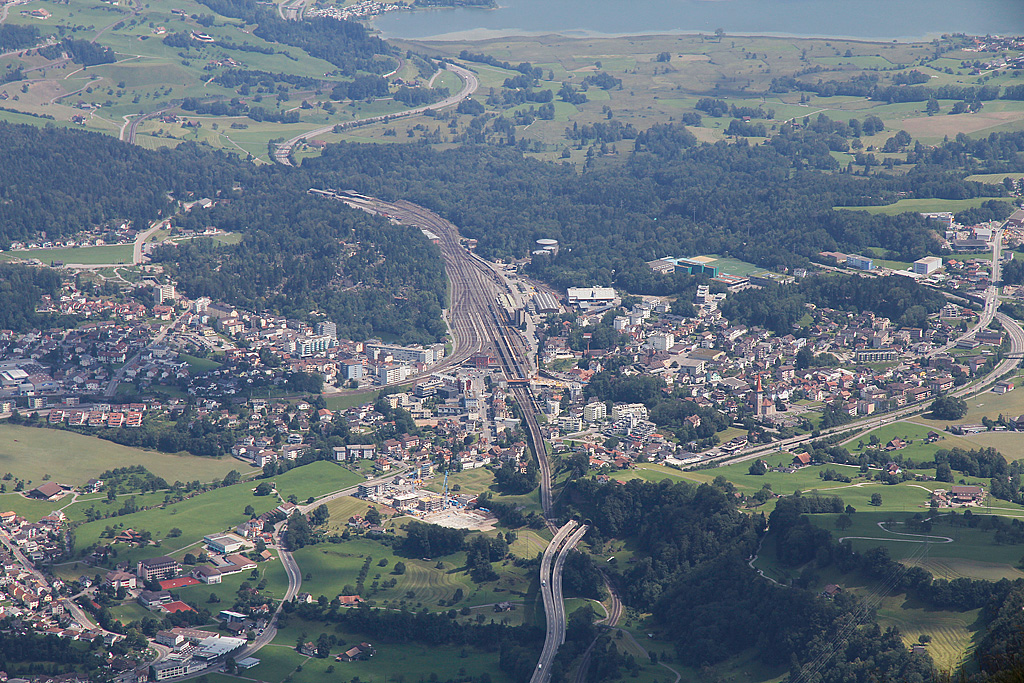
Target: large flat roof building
(590,296)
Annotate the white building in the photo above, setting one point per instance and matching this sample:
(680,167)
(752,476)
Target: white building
(585,297)
(636,411)
(662,341)
(927,265)
(592,412)
(162,293)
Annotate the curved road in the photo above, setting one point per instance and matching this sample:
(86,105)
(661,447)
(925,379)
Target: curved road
(551,565)
(470,83)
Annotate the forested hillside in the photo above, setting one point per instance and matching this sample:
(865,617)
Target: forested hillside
(303,253)
(62,181)
(300,256)
(769,204)
(690,570)
(21,289)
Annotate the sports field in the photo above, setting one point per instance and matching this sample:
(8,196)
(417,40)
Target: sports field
(72,459)
(118,253)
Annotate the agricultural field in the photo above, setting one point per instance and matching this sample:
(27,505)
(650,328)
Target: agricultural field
(150,76)
(30,453)
(971,554)
(958,551)
(206,513)
(919,206)
(315,480)
(328,568)
(412,661)
(914,432)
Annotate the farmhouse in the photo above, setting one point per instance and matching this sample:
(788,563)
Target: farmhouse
(801,459)
(49,491)
(967,494)
(349,600)
(360,651)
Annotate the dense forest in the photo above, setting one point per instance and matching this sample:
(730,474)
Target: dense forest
(98,180)
(14,37)
(780,307)
(302,256)
(21,288)
(678,198)
(692,574)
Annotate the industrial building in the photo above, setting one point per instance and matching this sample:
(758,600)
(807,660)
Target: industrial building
(586,297)
(859,262)
(927,265)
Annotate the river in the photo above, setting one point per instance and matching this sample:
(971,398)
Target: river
(861,19)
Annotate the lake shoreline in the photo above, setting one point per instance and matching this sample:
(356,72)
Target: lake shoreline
(483,35)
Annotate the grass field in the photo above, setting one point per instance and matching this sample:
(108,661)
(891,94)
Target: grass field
(119,253)
(994,177)
(207,513)
(346,401)
(333,566)
(973,554)
(393,661)
(315,480)
(919,206)
(69,458)
(198,365)
(913,432)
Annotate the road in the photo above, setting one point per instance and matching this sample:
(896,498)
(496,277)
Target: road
(304,509)
(470,83)
(134,125)
(554,607)
(77,612)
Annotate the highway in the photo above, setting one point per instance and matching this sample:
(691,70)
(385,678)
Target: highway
(470,83)
(551,565)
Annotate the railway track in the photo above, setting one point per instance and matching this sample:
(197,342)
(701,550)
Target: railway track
(478,324)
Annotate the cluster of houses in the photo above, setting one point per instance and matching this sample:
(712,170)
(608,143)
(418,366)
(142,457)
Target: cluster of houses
(40,541)
(60,366)
(364,9)
(122,233)
(750,371)
(29,599)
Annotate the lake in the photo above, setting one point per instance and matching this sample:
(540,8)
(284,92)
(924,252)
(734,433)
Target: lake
(863,19)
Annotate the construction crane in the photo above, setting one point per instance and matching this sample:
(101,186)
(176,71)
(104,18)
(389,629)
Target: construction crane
(445,494)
